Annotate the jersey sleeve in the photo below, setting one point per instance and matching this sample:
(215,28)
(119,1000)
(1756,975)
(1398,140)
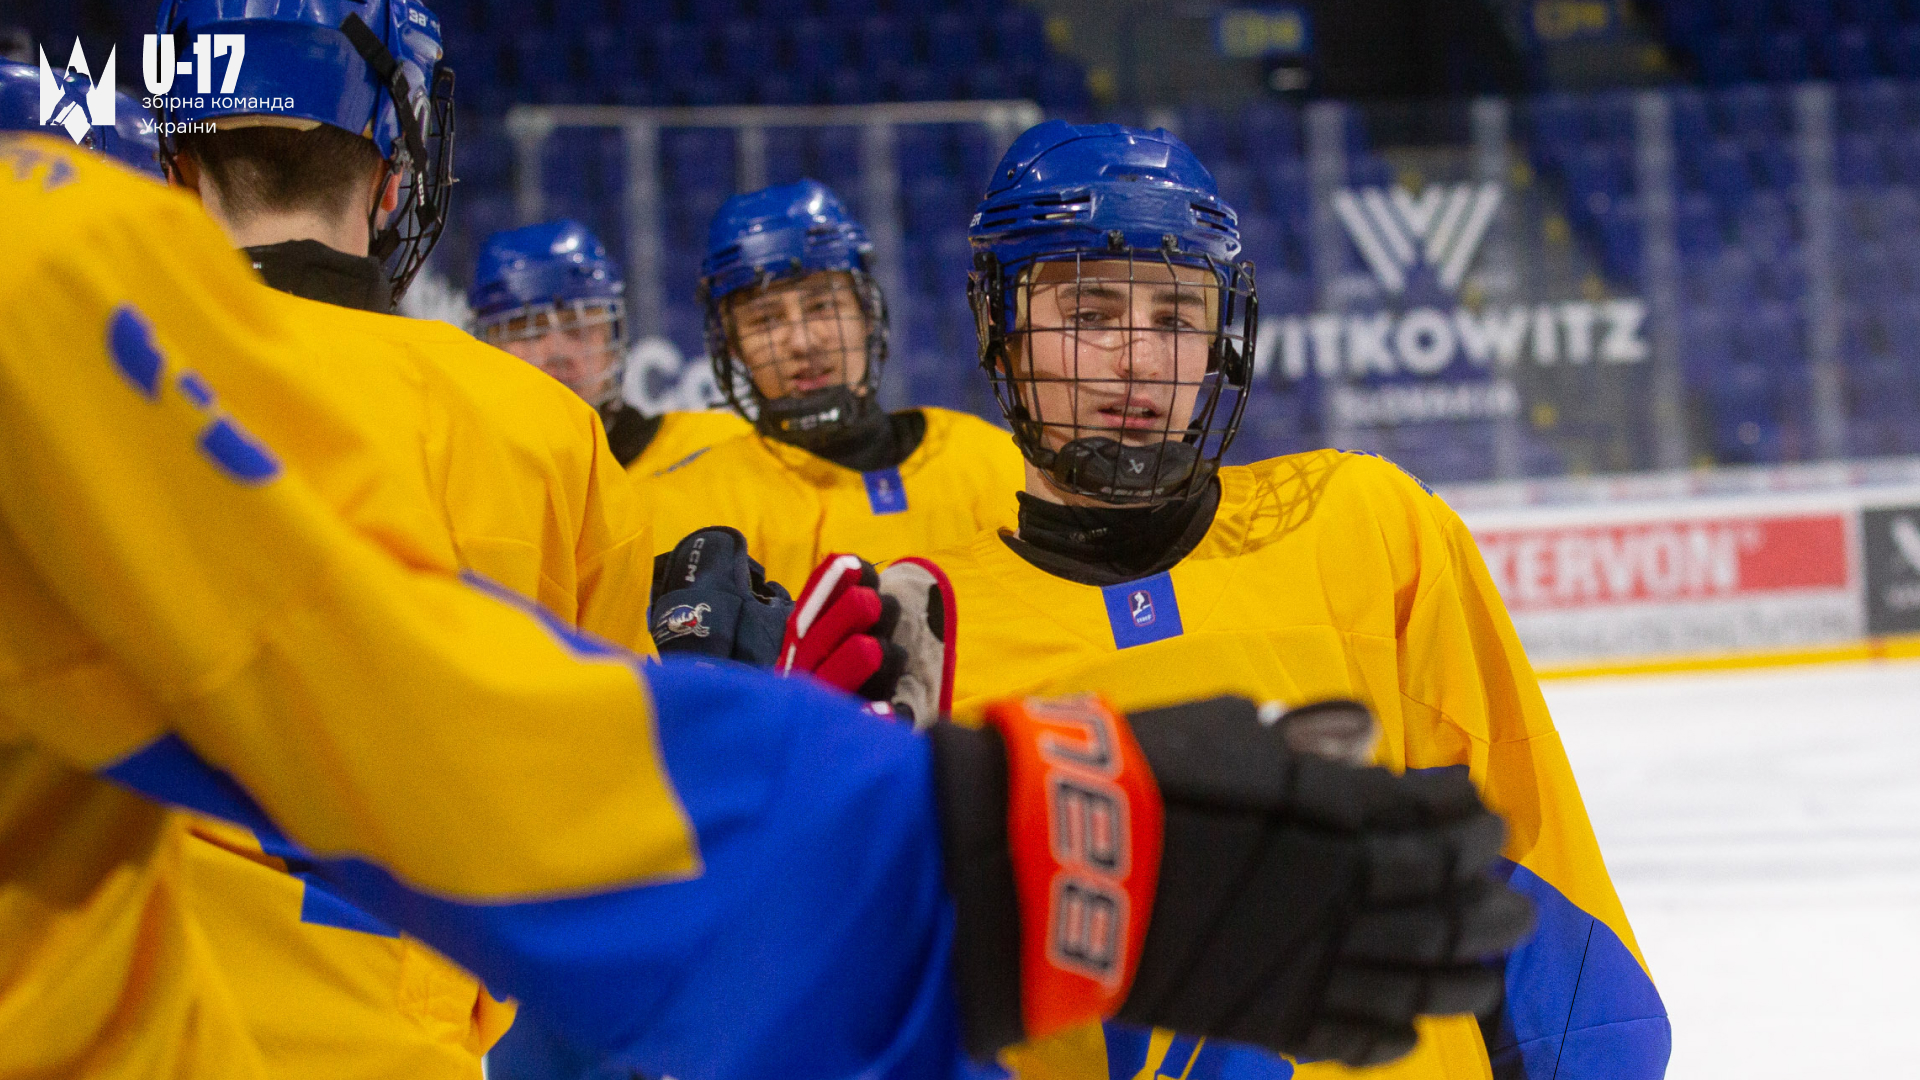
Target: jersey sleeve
(1580,1001)
(702,872)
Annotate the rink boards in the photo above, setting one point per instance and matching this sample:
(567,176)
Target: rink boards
(1721,564)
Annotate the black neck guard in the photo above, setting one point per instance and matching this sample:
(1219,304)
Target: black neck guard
(314,271)
(1106,545)
(629,431)
(874,440)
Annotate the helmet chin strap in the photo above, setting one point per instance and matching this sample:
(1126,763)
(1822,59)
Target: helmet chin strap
(1111,471)
(815,418)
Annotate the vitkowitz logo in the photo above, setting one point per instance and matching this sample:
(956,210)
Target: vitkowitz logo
(1396,230)
(73,100)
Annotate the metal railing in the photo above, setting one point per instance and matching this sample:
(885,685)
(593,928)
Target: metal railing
(529,126)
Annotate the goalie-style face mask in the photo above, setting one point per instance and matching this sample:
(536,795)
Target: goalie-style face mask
(796,325)
(1114,320)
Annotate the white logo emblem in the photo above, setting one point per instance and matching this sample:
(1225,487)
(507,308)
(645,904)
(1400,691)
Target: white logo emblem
(73,100)
(1396,231)
(1906,539)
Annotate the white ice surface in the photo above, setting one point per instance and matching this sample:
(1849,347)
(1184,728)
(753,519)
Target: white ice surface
(1764,832)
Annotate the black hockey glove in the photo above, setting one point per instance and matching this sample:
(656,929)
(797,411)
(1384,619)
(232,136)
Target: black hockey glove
(711,599)
(1295,902)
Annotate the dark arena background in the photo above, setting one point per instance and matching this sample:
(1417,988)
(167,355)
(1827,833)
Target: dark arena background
(1634,284)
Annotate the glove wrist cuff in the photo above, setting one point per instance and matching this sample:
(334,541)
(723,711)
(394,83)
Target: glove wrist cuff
(1085,826)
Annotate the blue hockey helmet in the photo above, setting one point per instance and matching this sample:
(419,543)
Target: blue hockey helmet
(373,68)
(1139,206)
(541,291)
(132,138)
(756,244)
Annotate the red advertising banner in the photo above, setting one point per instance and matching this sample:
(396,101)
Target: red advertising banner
(1664,561)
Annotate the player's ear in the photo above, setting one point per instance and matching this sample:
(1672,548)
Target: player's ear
(183,171)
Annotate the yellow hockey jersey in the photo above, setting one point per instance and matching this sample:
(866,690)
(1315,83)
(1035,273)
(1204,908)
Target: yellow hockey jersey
(106,968)
(1324,575)
(795,508)
(682,435)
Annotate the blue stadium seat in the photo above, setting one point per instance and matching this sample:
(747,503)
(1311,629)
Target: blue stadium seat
(1744,16)
(1847,54)
(780,11)
(953,40)
(1269,131)
(1811,18)
(1875,106)
(1858,162)
(1019,36)
(699,157)
(1696,222)
(814,47)
(917,82)
(1775,164)
(679,52)
(1877,16)
(1692,126)
(836,160)
(1205,131)
(1752,111)
(1783,57)
(921,150)
(986,82)
(781,88)
(847,11)
(747,48)
(1726,174)
(717,12)
(849,86)
(1063,86)
(641,15)
(885,40)
(786,155)
(1902,52)
(1289,193)
(1726,59)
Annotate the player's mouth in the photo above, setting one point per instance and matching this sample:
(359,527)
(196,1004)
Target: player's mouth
(814,377)
(1131,415)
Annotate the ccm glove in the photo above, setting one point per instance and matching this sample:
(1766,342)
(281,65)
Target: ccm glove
(1193,870)
(887,636)
(711,599)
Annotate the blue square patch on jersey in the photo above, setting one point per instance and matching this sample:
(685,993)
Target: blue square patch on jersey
(885,493)
(1142,611)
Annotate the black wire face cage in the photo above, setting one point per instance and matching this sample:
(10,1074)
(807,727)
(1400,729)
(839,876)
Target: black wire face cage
(423,159)
(800,355)
(1123,375)
(581,343)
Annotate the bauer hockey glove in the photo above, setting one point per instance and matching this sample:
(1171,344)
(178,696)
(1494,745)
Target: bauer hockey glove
(887,636)
(1190,870)
(711,599)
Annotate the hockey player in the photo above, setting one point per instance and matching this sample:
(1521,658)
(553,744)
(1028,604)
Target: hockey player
(743,878)
(130,139)
(797,331)
(549,294)
(327,163)
(1117,327)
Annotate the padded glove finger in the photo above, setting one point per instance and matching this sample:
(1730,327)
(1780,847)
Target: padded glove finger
(1410,864)
(839,600)
(1356,1043)
(1475,923)
(1393,996)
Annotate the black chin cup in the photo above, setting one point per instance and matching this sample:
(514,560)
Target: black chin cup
(1111,471)
(814,418)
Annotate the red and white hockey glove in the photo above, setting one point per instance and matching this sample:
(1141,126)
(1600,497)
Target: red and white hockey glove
(886,636)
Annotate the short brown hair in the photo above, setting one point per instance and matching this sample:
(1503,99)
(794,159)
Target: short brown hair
(275,169)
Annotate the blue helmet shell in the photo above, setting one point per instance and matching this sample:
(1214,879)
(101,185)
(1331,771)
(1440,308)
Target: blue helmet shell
(788,229)
(132,139)
(1066,190)
(553,262)
(296,53)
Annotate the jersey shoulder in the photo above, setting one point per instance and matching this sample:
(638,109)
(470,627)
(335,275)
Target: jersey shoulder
(1335,480)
